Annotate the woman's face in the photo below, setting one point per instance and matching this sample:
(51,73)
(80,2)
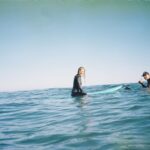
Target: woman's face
(82,71)
(146,77)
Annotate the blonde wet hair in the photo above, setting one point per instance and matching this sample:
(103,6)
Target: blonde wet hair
(79,69)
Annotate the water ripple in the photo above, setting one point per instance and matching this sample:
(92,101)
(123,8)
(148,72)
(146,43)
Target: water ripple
(52,119)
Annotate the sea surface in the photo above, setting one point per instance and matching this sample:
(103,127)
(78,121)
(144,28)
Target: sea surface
(51,119)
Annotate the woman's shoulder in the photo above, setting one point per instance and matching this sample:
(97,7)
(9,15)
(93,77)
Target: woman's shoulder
(77,76)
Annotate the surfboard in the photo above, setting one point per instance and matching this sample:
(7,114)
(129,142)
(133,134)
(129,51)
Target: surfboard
(110,90)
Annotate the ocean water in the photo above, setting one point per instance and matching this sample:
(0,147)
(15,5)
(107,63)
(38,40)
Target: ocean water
(52,120)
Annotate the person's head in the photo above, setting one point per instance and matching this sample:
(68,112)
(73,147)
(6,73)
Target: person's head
(81,71)
(146,75)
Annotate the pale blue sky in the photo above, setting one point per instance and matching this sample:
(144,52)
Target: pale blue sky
(42,43)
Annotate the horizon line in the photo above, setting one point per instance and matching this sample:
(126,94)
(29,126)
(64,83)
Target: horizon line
(60,87)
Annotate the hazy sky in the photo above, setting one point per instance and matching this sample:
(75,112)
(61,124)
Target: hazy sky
(43,42)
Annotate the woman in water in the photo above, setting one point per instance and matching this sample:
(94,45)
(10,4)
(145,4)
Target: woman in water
(77,84)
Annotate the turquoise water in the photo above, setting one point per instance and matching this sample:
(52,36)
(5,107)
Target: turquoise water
(51,119)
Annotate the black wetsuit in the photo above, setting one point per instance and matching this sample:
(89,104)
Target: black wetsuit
(148,84)
(77,87)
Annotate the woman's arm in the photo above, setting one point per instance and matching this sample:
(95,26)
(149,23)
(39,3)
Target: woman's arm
(144,86)
(79,84)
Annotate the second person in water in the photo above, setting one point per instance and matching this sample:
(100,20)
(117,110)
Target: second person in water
(77,84)
(146,76)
